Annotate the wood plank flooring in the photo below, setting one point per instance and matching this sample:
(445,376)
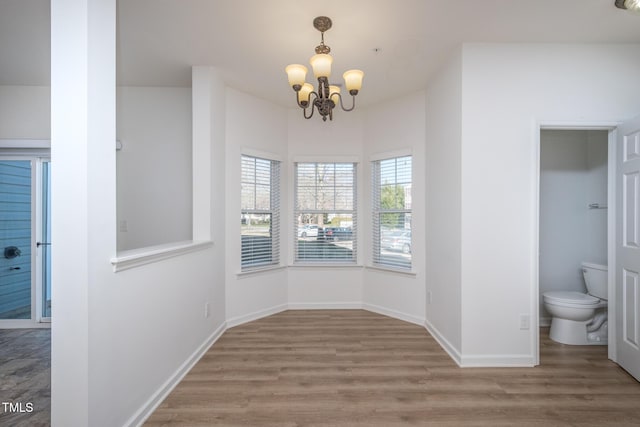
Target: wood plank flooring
(25,376)
(356,368)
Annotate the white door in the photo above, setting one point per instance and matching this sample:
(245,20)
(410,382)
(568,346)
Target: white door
(628,247)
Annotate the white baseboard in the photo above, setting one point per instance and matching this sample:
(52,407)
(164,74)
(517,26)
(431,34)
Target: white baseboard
(497,361)
(544,322)
(444,343)
(156,398)
(325,305)
(393,313)
(239,320)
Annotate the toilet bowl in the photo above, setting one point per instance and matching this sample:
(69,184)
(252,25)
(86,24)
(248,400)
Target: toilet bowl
(580,318)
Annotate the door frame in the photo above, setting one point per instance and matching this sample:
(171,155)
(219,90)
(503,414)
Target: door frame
(611,128)
(38,260)
(34,151)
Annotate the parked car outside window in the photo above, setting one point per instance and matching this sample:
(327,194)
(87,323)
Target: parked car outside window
(338,233)
(308,230)
(399,240)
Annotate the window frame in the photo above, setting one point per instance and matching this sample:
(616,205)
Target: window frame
(377,262)
(275,207)
(353,212)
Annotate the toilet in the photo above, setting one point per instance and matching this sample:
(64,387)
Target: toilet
(579,318)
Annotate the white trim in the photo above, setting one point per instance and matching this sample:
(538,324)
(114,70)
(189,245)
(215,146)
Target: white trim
(612,166)
(38,251)
(444,343)
(246,318)
(403,152)
(390,270)
(325,266)
(137,257)
(575,125)
(25,143)
(265,155)
(259,270)
(394,314)
(353,305)
(165,389)
(326,159)
(534,293)
(497,361)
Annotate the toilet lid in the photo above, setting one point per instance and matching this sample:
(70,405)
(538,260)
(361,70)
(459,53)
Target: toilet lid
(571,297)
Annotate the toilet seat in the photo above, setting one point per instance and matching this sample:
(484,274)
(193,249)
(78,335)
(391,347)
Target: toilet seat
(573,299)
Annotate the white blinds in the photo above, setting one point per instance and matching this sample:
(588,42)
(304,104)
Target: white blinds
(392,212)
(325,220)
(260,212)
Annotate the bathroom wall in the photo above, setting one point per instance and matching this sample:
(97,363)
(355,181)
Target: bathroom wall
(573,174)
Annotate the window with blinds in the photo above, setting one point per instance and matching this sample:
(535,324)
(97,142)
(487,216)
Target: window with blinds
(260,212)
(392,213)
(325,220)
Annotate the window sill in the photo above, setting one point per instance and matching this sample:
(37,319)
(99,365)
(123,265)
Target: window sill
(137,257)
(325,265)
(259,270)
(391,270)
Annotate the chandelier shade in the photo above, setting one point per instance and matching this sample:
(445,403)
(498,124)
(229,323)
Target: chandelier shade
(353,80)
(304,92)
(334,92)
(321,64)
(326,96)
(297,74)
(632,6)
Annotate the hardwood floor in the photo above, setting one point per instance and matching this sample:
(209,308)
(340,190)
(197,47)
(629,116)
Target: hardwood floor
(356,368)
(25,376)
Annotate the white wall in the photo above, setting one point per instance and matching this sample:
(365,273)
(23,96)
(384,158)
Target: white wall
(597,179)
(506,90)
(316,140)
(260,127)
(154,166)
(117,338)
(443,204)
(25,112)
(397,125)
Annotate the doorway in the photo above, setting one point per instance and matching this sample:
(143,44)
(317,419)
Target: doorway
(576,222)
(25,245)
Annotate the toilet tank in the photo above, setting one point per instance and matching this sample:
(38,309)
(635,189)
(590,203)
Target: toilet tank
(596,279)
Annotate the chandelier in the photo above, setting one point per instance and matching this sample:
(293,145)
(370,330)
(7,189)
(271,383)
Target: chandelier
(326,97)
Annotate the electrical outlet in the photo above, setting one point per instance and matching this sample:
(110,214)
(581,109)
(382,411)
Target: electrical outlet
(429,298)
(524,322)
(206,309)
(123,226)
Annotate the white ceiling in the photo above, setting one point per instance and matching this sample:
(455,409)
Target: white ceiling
(252,41)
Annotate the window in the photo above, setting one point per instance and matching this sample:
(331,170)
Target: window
(325,212)
(260,212)
(392,212)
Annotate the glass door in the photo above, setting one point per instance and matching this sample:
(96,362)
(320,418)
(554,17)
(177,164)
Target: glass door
(16,224)
(25,240)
